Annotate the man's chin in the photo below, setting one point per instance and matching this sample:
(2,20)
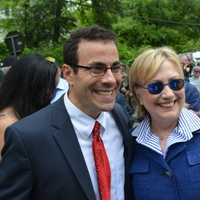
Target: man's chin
(107,107)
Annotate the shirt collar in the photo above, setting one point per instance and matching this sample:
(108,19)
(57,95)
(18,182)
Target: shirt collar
(81,118)
(188,123)
(62,84)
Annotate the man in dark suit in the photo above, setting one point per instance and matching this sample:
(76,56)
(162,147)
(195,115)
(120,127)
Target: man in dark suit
(50,155)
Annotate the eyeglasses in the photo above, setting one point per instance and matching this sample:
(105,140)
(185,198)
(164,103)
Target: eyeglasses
(157,86)
(99,69)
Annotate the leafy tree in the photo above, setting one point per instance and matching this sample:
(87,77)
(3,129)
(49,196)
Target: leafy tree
(46,23)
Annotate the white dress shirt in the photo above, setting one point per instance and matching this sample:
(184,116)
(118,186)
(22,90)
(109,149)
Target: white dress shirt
(60,89)
(113,142)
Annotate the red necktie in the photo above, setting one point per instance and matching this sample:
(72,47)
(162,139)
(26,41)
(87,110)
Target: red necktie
(101,163)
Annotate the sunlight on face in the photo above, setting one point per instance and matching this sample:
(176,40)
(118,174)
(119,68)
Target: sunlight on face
(165,106)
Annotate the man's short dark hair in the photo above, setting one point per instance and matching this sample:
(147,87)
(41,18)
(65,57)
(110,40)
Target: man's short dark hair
(92,33)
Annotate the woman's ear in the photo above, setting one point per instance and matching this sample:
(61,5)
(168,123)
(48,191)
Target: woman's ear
(138,94)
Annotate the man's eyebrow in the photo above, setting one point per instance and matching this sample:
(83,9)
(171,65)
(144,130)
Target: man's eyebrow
(103,63)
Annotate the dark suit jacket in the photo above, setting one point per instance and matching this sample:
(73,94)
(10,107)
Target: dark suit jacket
(42,159)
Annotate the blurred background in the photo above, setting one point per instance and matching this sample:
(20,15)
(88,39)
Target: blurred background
(42,26)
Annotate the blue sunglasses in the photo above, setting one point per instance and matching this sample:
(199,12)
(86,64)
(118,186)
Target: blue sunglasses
(157,86)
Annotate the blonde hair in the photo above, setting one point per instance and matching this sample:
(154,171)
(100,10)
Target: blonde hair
(145,67)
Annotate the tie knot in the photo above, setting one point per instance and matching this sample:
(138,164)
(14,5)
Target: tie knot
(96,129)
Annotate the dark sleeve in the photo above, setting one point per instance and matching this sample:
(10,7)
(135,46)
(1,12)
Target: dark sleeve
(121,99)
(192,97)
(15,171)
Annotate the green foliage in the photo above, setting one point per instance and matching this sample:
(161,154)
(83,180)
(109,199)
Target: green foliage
(52,50)
(189,46)
(126,53)
(138,24)
(4,51)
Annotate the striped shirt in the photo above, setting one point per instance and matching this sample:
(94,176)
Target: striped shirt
(188,123)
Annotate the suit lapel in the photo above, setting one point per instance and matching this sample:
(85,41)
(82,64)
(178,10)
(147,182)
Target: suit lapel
(67,141)
(122,123)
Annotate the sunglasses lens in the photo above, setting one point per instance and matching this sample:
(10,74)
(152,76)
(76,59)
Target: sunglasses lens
(176,84)
(155,88)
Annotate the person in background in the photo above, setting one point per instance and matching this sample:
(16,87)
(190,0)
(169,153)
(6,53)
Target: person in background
(166,162)
(123,101)
(78,147)
(195,79)
(192,98)
(62,85)
(186,63)
(26,88)
(123,97)
(192,95)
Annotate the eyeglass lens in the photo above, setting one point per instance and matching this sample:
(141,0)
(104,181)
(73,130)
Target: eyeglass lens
(158,86)
(101,68)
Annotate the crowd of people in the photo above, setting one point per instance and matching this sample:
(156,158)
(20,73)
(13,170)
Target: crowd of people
(90,130)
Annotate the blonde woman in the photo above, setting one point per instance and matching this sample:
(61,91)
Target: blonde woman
(166,164)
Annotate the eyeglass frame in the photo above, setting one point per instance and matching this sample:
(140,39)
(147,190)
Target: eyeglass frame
(104,68)
(163,85)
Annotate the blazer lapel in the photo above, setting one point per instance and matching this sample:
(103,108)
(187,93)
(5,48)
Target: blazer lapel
(65,137)
(122,123)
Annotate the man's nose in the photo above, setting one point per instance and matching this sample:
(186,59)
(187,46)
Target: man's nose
(109,76)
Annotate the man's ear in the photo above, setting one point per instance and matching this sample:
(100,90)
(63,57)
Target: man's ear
(67,72)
